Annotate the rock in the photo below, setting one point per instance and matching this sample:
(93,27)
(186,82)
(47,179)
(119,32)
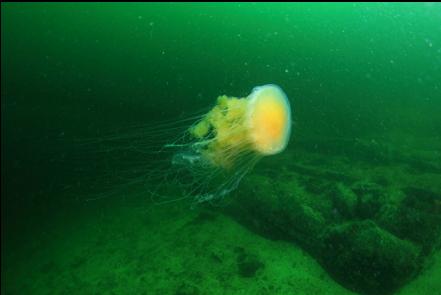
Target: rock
(416,218)
(344,200)
(247,264)
(278,214)
(187,289)
(371,197)
(361,200)
(368,259)
(374,242)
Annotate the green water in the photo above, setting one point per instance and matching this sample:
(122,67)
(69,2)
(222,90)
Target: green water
(352,205)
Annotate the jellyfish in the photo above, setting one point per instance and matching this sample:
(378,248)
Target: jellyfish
(211,156)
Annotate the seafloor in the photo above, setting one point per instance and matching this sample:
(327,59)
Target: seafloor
(326,217)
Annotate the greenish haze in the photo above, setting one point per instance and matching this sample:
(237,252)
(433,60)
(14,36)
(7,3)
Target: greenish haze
(353,206)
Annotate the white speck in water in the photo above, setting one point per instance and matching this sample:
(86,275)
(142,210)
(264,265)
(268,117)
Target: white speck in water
(429,43)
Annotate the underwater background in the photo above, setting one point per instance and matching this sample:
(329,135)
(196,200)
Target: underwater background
(352,206)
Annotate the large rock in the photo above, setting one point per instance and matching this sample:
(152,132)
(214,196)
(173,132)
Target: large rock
(368,259)
(417,218)
(357,231)
(277,213)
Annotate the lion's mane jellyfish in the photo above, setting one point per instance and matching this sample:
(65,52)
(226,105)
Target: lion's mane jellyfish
(204,161)
(228,141)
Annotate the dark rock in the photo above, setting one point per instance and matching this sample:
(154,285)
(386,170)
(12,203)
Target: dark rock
(371,197)
(248,264)
(416,219)
(344,200)
(376,243)
(278,214)
(362,200)
(187,289)
(423,200)
(216,257)
(367,259)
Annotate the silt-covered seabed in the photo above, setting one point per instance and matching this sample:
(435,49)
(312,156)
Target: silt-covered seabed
(335,217)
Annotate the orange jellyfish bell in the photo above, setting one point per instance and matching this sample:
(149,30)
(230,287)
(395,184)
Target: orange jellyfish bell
(268,119)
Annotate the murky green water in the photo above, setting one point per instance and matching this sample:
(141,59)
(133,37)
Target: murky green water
(352,205)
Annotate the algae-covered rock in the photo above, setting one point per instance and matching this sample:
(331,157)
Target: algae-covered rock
(248,264)
(344,200)
(361,200)
(368,259)
(370,238)
(276,213)
(371,197)
(417,218)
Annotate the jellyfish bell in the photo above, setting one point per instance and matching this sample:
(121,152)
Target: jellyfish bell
(209,158)
(269,119)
